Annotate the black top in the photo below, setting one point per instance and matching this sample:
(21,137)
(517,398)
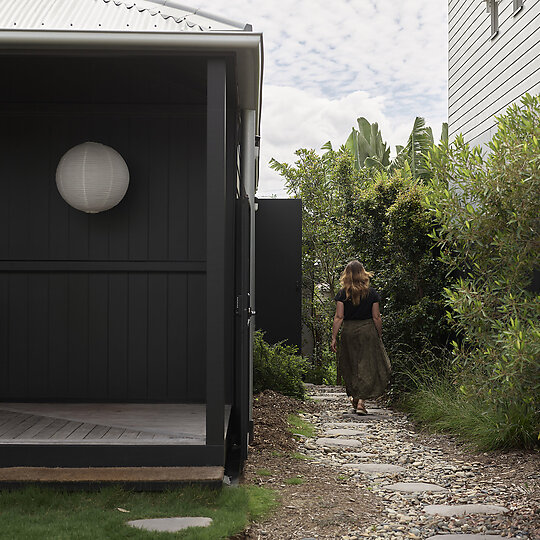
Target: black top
(363,309)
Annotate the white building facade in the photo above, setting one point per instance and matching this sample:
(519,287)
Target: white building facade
(493,59)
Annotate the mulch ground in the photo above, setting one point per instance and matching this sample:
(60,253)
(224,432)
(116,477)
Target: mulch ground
(323,504)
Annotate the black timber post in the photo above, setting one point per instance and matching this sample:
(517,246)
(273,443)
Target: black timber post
(216,175)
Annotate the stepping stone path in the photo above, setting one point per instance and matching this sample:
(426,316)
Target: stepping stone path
(174,524)
(425,493)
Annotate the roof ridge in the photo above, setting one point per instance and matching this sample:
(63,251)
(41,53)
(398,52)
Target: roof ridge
(129,4)
(173,4)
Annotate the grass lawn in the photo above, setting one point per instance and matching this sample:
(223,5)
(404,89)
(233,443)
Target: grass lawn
(38,513)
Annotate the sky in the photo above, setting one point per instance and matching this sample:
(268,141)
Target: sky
(328,63)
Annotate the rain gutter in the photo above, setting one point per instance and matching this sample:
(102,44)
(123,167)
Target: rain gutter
(84,39)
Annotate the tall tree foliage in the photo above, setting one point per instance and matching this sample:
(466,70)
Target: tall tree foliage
(489,209)
(378,218)
(392,236)
(452,236)
(327,186)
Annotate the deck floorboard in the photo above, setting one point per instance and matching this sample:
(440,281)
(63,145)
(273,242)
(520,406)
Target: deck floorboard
(14,420)
(104,423)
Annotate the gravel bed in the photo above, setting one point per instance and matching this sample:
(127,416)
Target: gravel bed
(389,437)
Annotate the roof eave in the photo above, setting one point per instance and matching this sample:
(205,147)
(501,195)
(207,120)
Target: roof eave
(248,46)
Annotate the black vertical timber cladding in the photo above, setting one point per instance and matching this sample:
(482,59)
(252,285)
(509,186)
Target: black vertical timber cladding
(71,330)
(216,176)
(98,337)
(278,260)
(230,263)
(118,336)
(77,335)
(38,353)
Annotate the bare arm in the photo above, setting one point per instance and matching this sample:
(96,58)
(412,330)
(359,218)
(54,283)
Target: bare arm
(376,314)
(338,319)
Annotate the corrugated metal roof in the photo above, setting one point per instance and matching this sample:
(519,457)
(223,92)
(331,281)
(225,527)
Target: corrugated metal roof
(110,15)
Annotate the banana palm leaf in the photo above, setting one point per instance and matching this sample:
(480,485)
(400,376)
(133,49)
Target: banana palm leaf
(367,142)
(415,152)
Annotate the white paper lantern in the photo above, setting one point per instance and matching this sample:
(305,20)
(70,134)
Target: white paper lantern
(92,177)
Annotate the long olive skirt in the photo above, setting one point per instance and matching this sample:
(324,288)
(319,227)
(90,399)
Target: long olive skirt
(362,360)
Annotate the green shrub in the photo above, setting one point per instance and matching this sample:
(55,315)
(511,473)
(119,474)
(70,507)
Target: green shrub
(277,367)
(324,371)
(488,210)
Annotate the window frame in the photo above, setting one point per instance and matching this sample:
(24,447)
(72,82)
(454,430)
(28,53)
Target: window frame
(492,7)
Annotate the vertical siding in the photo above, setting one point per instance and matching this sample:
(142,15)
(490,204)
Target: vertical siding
(102,335)
(487,75)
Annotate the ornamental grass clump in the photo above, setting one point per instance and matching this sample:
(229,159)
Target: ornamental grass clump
(488,209)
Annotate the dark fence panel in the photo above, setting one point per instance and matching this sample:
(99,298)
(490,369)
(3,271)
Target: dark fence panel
(278,275)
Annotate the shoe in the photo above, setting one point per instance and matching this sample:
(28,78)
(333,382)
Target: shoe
(361,410)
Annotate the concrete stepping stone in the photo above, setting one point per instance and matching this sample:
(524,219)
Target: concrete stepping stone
(375,467)
(469,537)
(364,417)
(414,487)
(338,432)
(378,412)
(328,397)
(363,454)
(361,417)
(463,509)
(344,443)
(346,425)
(174,524)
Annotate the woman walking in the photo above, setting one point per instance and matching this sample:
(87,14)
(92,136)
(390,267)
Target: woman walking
(362,359)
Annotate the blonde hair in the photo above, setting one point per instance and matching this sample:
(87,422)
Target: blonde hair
(355,281)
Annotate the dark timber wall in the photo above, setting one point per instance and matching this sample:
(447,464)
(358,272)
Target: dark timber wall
(106,307)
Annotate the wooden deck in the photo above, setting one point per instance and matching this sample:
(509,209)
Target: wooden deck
(104,423)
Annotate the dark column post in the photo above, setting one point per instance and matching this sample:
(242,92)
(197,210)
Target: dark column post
(216,174)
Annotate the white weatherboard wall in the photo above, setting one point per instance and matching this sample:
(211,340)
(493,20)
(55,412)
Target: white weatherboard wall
(485,74)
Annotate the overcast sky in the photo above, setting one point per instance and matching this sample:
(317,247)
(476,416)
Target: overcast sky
(327,63)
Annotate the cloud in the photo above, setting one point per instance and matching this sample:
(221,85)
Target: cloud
(350,46)
(326,64)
